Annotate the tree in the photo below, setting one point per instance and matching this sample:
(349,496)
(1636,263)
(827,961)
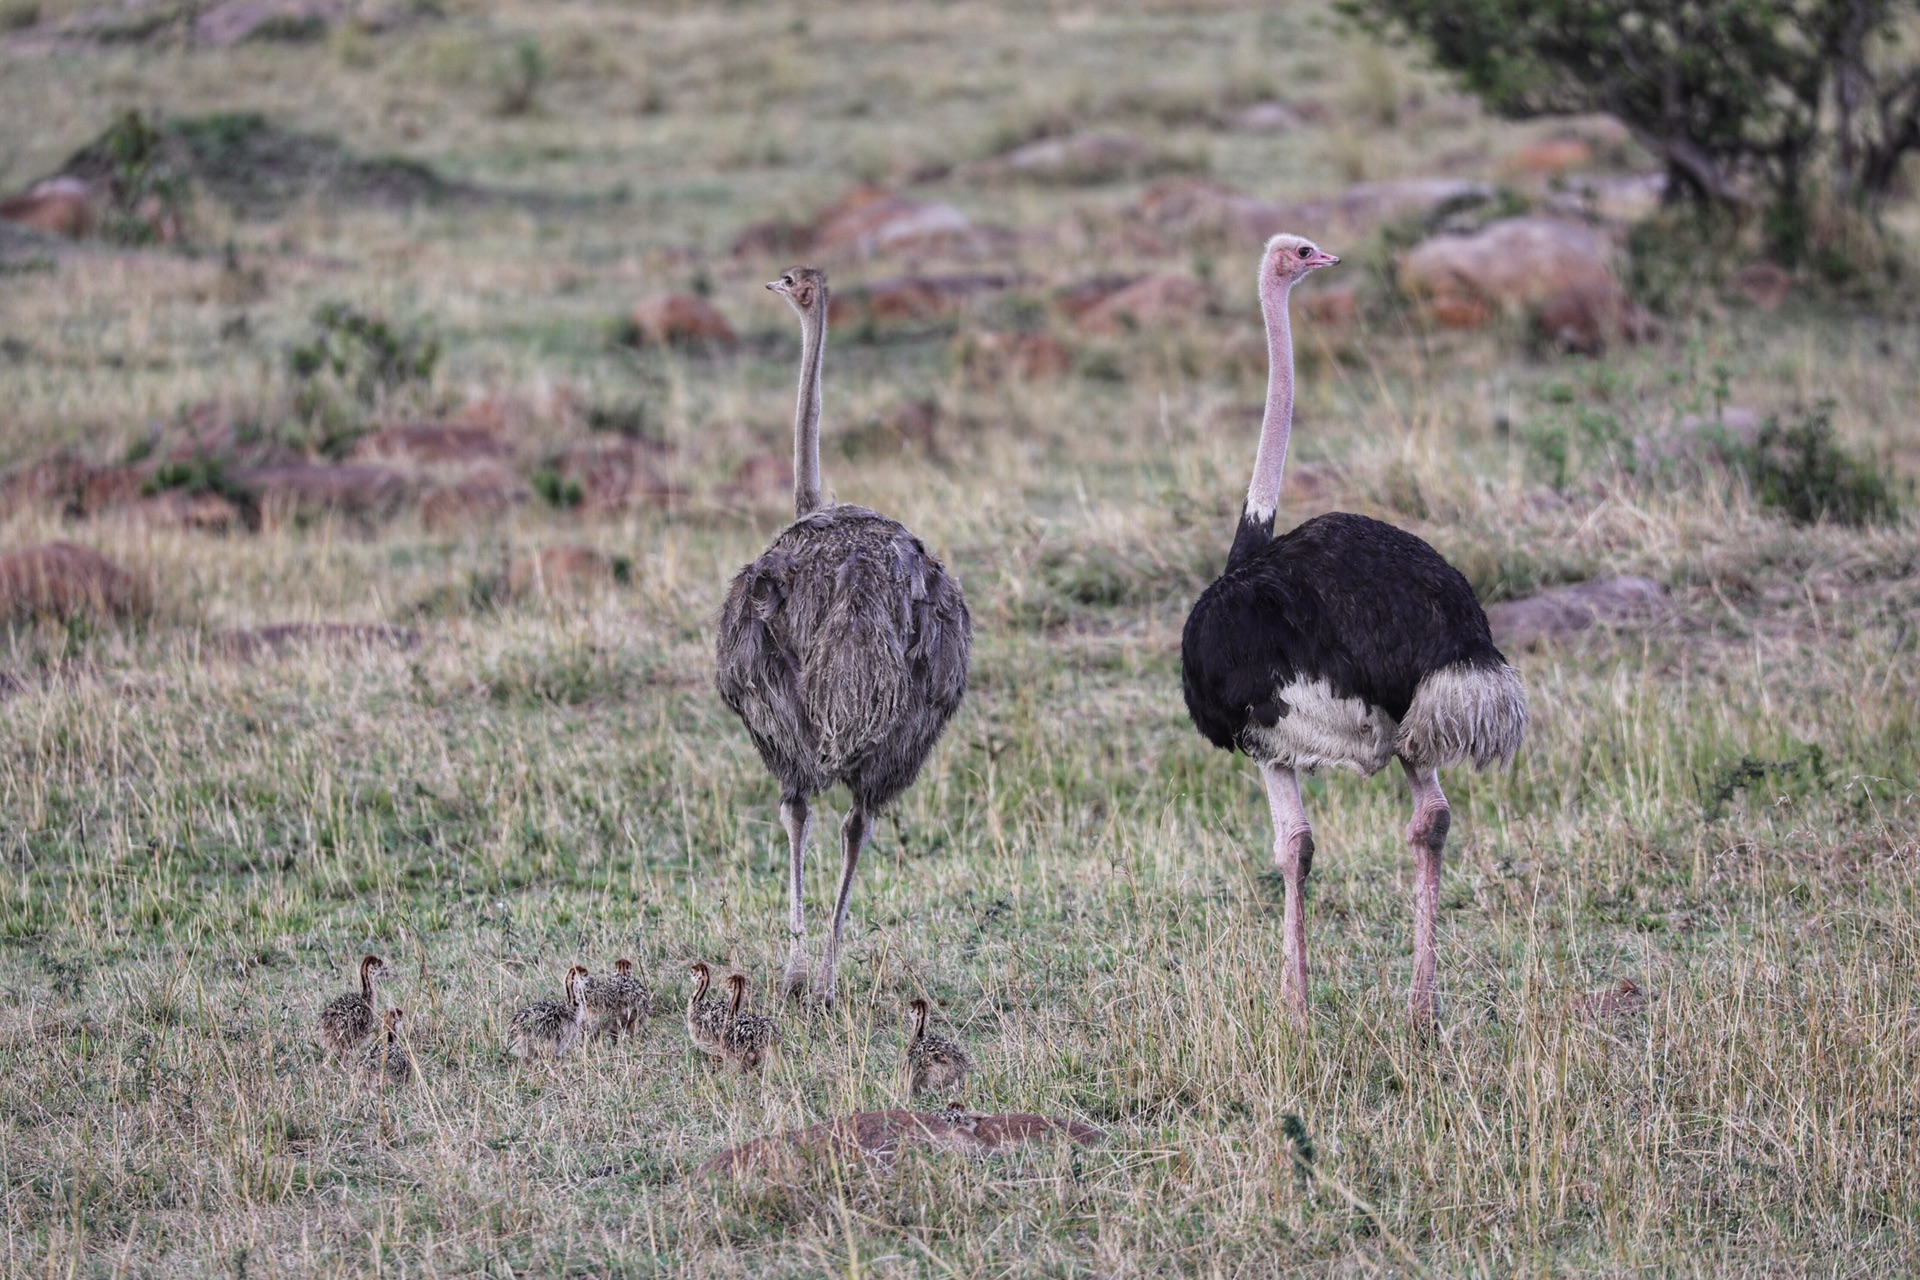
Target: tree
(1740,98)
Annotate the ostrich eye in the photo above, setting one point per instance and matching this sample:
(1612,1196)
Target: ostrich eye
(1306,251)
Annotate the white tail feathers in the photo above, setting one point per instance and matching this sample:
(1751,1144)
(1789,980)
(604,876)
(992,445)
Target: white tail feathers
(1465,713)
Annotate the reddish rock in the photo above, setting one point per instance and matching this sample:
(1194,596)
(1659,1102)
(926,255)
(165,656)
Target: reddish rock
(615,474)
(679,318)
(773,238)
(58,206)
(1156,301)
(1508,265)
(873,220)
(281,638)
(432,444)
(1083,296)
(1547,157)
(1561,612)
(62,580)
(1028,357)
(308,490)
(878,1137)
(908,298)
(562,570)
(1589,318)
(1763,284)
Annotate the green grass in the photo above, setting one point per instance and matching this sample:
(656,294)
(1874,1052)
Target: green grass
(1720,805)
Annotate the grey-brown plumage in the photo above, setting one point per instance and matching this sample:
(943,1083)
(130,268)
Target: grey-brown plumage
(935,1064)
(616,1002)
(844,651)
(349,1019)
(387,1060)
(549,1028)
(707,1016)
(750,1037)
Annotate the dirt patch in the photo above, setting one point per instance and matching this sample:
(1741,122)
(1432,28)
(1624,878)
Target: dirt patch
(1562,612)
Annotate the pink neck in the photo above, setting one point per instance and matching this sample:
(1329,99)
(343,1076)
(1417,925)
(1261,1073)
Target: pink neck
(1270,462)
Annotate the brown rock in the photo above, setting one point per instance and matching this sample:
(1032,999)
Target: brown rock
(1561,612)
(1083,296)
(878,1137)
(108,488)
(1083,157)
(1028,357)
(868,221)
(908,298)
(482,494)
(615,474)
(56,481)
(58,206)
(1335,307)
(1763,284)
(281,638)
(562,570)
(773,238)
(203,512)
(1616,201)
(1157,300)
(308,490)
(1508,265)
(1546,157)
(62,580)
(760,479)
(1198,208)
(1589,318)
(679,318)
(432,444)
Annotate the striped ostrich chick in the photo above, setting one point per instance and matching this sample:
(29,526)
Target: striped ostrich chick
(750,1037)
(707,1016)
(348,1019)
(549,1028)
(935,1064)
(616,1002)
(1342,643)
(387,1060)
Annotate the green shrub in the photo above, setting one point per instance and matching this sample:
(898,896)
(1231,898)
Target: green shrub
(1801,470)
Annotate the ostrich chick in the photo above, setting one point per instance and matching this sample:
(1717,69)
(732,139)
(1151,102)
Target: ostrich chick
(707,1016)
(348,1019)
(750,1037)
(387,1061)
(616,1002)
(548,1028)
(935,1064)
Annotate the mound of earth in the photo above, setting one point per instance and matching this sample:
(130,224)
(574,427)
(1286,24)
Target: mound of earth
(63,580)
(259,168)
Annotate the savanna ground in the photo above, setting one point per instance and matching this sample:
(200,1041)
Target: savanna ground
(1719,806)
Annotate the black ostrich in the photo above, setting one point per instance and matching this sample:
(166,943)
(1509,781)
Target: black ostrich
(843,649)
(1345,642)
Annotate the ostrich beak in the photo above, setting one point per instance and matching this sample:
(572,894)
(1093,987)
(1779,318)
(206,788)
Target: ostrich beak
(1321,258)
(778,286)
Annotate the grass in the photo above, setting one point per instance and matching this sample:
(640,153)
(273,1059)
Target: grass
(1720,806)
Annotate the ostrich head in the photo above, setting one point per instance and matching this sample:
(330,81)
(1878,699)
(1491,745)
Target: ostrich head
(623,966)
(919,1010)
(372,968)
(1290,259)
(575,976)
(804,288)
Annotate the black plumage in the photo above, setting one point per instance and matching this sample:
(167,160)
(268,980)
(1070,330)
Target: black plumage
(1369,608)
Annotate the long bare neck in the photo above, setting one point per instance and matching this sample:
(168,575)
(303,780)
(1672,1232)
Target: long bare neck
(739,998)
(1276,427)
(366,982)
(806,414)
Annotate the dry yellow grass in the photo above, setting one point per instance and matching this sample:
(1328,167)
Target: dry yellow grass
(1720,807)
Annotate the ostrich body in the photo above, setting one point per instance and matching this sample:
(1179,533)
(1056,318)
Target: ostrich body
(749,1037)
(616,1002)
(387,1060)
(935,1064)
(348,1019)
(707,1016)
(548,1028)
(843,649)
(1344,642)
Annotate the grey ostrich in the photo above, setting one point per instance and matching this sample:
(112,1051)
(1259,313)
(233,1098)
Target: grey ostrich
(843,649)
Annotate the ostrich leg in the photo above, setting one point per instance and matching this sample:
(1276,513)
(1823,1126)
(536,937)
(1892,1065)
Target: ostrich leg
(1427,836)
(853,838)
(796,815)
(1293,852)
